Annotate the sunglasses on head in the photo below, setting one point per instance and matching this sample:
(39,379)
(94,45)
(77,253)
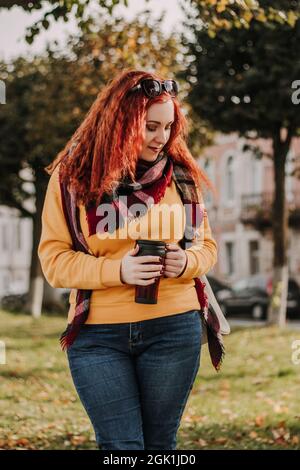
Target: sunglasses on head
(152,87)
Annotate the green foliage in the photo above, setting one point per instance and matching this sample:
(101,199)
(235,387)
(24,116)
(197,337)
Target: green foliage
(48,97)
(216,15)
(60,9)
(57,9)
(241,79)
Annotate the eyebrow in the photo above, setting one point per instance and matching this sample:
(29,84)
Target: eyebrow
(157,122)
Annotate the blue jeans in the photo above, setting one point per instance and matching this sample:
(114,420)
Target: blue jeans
(134,379)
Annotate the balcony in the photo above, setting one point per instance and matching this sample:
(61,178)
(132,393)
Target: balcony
(256,209)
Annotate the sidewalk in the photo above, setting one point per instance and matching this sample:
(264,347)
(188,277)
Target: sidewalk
(291,324)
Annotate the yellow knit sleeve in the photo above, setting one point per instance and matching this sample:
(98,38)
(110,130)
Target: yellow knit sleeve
(202,256)
(61,265)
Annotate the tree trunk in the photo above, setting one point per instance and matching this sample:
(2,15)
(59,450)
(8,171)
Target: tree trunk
(36,282)
(278,303)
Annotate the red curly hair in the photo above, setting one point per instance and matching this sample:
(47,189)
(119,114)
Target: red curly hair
(106,146)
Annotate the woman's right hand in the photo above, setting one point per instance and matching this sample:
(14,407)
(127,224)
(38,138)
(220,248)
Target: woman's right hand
(134,270)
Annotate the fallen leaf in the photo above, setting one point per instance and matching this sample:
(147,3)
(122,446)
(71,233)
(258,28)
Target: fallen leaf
(221,440)
(259,421)
(22,442)
(202,442)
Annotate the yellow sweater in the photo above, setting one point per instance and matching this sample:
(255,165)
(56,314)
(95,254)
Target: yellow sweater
(111,300)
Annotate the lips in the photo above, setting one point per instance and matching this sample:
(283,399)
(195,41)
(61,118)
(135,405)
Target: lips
(154,149)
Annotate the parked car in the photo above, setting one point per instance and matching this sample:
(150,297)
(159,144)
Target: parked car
(14,301)
(252,296)
(65,294)
(221,291)
(217,285)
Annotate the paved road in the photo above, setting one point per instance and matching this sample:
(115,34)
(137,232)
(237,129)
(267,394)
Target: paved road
(291,324)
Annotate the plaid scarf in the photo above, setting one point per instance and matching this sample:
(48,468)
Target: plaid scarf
(152,179)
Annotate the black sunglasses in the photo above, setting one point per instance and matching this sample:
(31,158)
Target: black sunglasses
(152,87)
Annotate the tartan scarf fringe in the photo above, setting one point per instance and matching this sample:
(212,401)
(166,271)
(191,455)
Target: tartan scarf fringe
(214,337)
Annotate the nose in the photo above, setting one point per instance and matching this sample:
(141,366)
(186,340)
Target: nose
(161,137)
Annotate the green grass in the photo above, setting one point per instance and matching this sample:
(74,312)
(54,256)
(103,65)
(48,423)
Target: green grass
(252,403)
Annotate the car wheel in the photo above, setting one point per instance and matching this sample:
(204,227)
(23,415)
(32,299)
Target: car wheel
(257,312)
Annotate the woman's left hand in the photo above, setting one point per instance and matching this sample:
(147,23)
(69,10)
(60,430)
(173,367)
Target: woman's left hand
(175,261)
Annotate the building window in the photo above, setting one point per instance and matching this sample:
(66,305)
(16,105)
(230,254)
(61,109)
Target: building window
(5,283)
(254,256)
(289,168)
(4,237)
(254,172)
(208,168)
(18,235)
(229,179)
(229,250)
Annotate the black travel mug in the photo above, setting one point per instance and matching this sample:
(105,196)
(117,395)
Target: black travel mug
(148,294)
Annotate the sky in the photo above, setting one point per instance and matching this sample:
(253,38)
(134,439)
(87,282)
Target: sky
(13,25)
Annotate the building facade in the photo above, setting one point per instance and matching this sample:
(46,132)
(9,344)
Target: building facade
(15,251)
(240,215)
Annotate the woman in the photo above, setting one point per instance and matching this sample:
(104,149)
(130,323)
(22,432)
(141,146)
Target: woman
(133,365)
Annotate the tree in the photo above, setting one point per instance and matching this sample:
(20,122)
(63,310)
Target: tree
(241,81)
(60,9)
(215,14)
(48,97)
